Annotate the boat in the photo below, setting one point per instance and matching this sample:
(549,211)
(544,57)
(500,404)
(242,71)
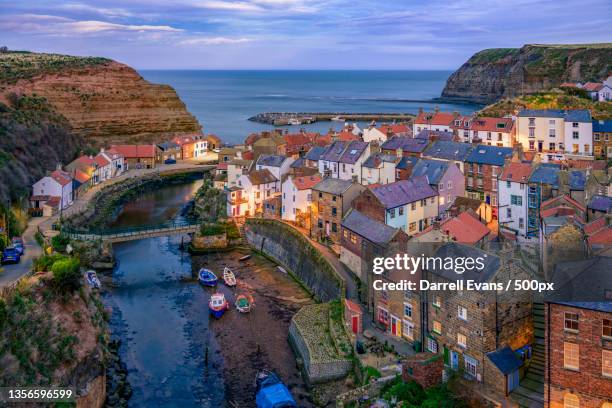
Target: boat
(294,121)
(228,277)
(92,279)
(271,392)
(244,303)
(218,305)
(244,258)
(337,119)
(283,270)
(207,277)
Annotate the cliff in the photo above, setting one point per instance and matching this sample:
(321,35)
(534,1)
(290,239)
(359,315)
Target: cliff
(497,73)
(104,101)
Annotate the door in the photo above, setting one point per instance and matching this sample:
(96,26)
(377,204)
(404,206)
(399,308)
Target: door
(540,143)
(454,360)
(395,326)
(327,228)
(488,199)
(355,324)
(446,356)
(513,381)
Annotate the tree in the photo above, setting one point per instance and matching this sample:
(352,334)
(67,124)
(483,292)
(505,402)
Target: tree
(4,49)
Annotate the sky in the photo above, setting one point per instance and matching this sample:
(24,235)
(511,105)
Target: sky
(297,34)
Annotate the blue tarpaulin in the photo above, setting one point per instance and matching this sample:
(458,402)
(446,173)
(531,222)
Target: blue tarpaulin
(275,396)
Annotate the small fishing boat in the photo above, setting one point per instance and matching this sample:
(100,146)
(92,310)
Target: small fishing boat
(244,258)
(337,119)
(244,303)
(294,121)
(218,305)
(207,277)
(92,279)
(228,277)
(283,270)
(271,392)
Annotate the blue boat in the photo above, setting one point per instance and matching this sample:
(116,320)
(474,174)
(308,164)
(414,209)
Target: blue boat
(207,277)
(218,305)
(271,392)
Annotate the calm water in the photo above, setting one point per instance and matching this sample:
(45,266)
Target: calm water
(160,313)
(223,100)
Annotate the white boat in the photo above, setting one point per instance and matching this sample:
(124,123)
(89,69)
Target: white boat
(337,119)
(295,121)
(92,279)
(228,277)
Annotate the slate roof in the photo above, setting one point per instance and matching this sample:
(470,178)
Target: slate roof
(577,180)
(455,250)
(546,174)
(601,203)
(583,283)
(315,153)
(375,160)
(493,155)
(402,192)
(264,176)
(602,126)
(353,152)
(271,160)
(395,142)
(575,115)
(432,169)
(443,149)
(334,151)
(578,115)
(516,172)
(168,145)
(333,186)
(299,163)
(407,161)
(405,143)
(505,360)
(370,229)
(428,134)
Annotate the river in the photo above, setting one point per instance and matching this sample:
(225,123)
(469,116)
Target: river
(176,357)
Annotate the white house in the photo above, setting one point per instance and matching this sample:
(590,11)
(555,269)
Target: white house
(237,168)
(297,196)
(328,160)
(257,186)
(117,161)
(278,165)
(56,184)
(379,169)
(382,133)
(103,168)
(512,189)
(440,121)
(579,132)
(349,163)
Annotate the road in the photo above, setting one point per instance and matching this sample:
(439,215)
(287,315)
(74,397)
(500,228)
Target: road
(12,273)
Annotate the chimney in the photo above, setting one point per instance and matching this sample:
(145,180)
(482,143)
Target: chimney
(437,109)
(58,166)
(354,178)
(455,114)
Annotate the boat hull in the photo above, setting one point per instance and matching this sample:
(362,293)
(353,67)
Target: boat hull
(217,313)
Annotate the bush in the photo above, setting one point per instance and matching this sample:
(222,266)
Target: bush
(212,229)
(3,314)
(66,274)
(59,242)
(43,263)
(411,392)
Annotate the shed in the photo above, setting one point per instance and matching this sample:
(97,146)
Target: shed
(507,362)
(353,316)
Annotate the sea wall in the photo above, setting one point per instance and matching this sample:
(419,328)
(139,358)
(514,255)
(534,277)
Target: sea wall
(291,249)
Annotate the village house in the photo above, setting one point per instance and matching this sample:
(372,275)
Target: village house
(454,152)
(379,169)
(237,202)
(56,187)
(278,165)
(404,167)
(331,200)
(410,205)
(212,142)
(328,160)
(599,235)
(384,132)
(433,135)
(187,144)
(169,151)
(270,144)
(543,185)
(116,159)
(444,177)
(228,153)
(297,144)
(297,199)
(599,206)
(344,135)
(359,230)
(465,228)
(300,168)
(440,121)
(312,157)
(465,326)
(343,160)
(137,156)
(463,204)
(404,146)
(489,131)
(482,167)
(236,168)
(513,187)
(257,186)
(602,139)
(220,176)
(200,147)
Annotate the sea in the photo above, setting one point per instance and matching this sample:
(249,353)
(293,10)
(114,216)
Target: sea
(223,101)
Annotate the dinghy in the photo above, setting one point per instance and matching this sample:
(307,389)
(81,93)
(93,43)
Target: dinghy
(92,279)
(244,303)
(218,305)
(244,258)
(228,277)
(207,277)
(271,392)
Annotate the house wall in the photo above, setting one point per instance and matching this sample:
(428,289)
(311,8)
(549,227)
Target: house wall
(368,204)
(446,195)
(420,215)
(588,382)
(294,200)
(383,175)
(350,252)
(373,134)
(395,302)
(328,215)
(48,186)
(517,212)
(329,165)
(541,133)
(417,127)
(582,143)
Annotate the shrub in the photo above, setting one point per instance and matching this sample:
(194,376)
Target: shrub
(212,229)
(43,263)
(59,242)
(3,314)
(411,392)
(66,274)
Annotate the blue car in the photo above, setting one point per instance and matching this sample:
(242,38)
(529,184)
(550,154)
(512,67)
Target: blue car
(170,161)
(10,255)
(18,244)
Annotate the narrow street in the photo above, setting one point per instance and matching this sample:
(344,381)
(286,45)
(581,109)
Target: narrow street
(12,273)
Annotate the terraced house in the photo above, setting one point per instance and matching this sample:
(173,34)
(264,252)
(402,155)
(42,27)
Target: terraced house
(513,187)
(410,205)
(486,130)
(543,185)
(602,139)
(443,177)
(454,152)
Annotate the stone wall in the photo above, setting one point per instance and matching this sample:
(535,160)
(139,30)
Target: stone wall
(292,250)
(369,390)
(424,368)
(209,241)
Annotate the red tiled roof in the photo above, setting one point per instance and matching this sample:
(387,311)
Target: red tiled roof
(81,176)
(306,182)
(394,128)
(297,142)
(488,124)
(436,118)
(53,201)
(346,136)
(464,228)
(61,177)
(592,86)
(517,172)
(352,306)
(85,160)
(101,161)
(569,85)
(602,236)
(560,199)
(135,151)
(322,140)
(248,155)
(595,226)
(222,166)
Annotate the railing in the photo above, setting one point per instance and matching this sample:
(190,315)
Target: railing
(119,232)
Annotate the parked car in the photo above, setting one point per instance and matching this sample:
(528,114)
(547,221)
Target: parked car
(170,161)
(10,255)
(18,244)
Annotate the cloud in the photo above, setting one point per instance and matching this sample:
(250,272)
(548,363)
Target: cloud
(214,41)
(261,6)
(228,5)
(103,11)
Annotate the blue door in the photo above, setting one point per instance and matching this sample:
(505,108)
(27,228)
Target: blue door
(513,381)
(488,199)
(454,360)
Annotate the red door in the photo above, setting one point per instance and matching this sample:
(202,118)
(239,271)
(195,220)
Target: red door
(355,324)
(394,326)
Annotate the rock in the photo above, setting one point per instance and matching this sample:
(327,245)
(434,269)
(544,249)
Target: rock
(102,265)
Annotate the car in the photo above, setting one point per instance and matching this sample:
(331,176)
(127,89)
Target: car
(10,255)
(18,244)
(170,161)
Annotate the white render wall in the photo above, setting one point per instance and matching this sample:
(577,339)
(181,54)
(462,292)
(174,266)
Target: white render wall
(517,212)
(294,200)
(585,137)
(48,186)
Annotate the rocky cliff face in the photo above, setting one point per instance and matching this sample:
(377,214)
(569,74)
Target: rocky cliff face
(104,101)
(497,73)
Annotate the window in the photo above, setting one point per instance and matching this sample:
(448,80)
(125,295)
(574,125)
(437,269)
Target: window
(607,328)
(571,321)
(521,223)
(353,238)
(408,331)
(449,185)
(571,401)
(334,227)
(462,313)
(531,121)
(437,327)
(575,135)
(551,147)
(408,310)
(412,227)
(334,198)
(571,358)
(320,223)
(551,132)
(437,301)
(508,184)
(531,132)
(516,200)
(345,234)
(441,186)
(606,363)
(413,206)
(575,124)
(334,211)
(596,137)
(551,122)
(432,345)
(406,294)
(320,195)
(383,316)
(400,211)
(461,340)
(471,366)
(531,145)
(509,212)
(488,135)
(392,213)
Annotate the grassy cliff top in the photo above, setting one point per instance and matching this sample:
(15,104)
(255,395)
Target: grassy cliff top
(16,65)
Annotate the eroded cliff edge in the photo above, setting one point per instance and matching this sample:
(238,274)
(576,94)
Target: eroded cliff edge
(497,73)
(104,101)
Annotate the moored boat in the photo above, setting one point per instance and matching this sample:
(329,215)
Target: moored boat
(218,305)
(271,392)
(228,277)
(92,279)
(207,277)
(244,258)
(244,303)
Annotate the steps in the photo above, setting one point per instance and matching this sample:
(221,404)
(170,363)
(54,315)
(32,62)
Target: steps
(530,392)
